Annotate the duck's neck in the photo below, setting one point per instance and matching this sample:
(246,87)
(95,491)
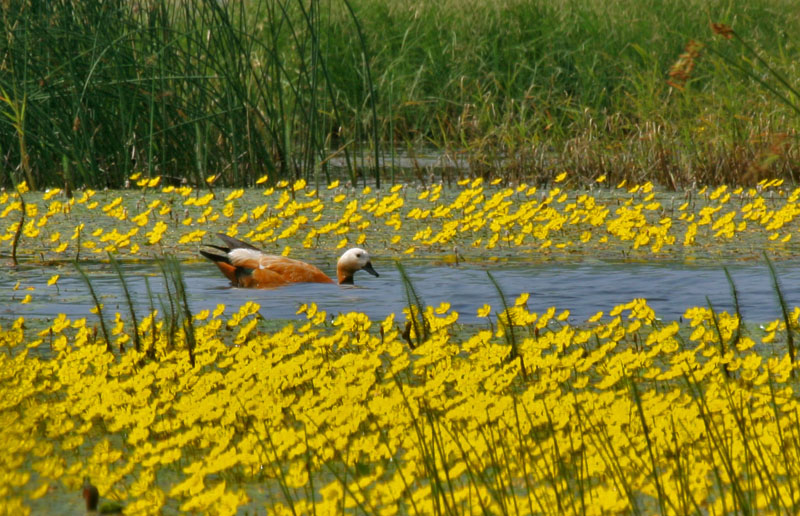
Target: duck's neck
(345,277)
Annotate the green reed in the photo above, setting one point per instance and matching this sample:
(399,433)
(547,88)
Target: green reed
(95,91)
(97,305)
(722,348)
(787,320)
(576,86)
(511,337)
(180,314)
(128,300)
(176,313)
(737,308)
(100,90)
(416,311)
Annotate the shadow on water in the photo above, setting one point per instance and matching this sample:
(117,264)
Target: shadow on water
(583,289)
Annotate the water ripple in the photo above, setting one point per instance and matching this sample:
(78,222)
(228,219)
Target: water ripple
(583,289)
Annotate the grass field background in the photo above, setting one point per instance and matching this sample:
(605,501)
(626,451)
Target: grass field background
(95,91)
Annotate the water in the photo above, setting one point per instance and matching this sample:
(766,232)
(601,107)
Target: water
(582,288)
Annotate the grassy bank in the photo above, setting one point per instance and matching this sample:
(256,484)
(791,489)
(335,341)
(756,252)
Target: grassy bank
(98,90)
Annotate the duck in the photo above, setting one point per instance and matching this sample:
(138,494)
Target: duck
(248,266)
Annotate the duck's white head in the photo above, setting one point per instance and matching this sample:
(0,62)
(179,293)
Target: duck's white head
(353,260)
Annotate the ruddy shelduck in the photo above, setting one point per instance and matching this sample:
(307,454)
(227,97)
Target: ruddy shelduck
(247,266)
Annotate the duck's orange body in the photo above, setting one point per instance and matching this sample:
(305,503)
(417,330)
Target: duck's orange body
(246,266)
(271,271)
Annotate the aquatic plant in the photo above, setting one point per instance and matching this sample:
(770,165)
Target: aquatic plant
(417,329)
(218,411)
(340,88)
(106,89)
(473,218)
(622,414)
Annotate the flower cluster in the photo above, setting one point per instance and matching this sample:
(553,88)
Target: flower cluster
(330,415)
(504,222)
(527,413)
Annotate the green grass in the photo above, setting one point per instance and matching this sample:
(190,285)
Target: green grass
(96,91)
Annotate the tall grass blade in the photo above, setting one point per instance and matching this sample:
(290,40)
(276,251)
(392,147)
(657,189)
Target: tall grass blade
(372,94)
(416,308)
(151,351)
(175,276)
(477,474)
(500,488)
(561,466)
(605,445)
(737,308)
(274,465)
(362,502)
(784,309)
(745,66)
(783,443)
(98,306)
(646,430)
(722,348)
(124,284)
(511,337)
(18,231)
(522,460)
(311,22)
(440,493)
(171,315)
(715,438)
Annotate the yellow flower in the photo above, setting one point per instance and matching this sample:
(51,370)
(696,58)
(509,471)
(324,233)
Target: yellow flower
(218,310)
(194,236)
(77,232)
(154,235)
(235,194)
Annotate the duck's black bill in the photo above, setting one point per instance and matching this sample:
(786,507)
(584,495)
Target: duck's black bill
(369,269)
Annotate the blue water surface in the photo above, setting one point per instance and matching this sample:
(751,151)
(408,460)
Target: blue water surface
(582,288)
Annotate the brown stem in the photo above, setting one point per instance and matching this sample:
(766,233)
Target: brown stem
(18,232)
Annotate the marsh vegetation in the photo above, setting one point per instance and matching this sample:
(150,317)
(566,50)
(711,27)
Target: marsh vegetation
(96,91)
(562,131)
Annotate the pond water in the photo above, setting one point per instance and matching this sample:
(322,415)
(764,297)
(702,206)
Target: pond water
(582,288)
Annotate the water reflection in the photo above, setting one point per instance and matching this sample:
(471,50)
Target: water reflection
(583,289)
